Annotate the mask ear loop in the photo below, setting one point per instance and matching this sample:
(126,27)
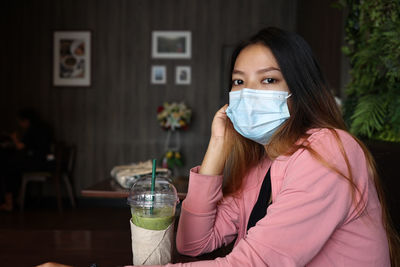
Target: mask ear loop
(288,96)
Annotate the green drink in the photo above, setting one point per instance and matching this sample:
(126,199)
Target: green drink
(160,218)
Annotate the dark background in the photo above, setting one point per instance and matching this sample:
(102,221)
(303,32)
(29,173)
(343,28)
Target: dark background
(114,120)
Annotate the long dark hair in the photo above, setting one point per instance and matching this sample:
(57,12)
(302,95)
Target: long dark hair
(311,105)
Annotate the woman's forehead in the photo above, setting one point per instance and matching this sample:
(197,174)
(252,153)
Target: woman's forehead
(255,56)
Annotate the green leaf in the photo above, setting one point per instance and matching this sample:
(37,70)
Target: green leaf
(368,116)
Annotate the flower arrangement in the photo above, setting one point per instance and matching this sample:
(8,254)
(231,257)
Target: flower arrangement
(172,159)
(173,116)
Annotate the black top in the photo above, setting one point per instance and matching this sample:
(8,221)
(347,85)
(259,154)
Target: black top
(37,140)
(260,208)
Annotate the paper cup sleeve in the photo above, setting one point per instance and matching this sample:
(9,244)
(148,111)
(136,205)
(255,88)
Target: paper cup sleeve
(152,247)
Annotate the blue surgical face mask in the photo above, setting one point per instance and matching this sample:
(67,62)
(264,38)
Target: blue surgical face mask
(257,114)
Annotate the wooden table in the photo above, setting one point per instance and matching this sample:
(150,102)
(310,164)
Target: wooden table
(77,248)
(111,189)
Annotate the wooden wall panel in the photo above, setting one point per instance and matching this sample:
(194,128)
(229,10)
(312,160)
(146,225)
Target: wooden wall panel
(114,121)
(321,25)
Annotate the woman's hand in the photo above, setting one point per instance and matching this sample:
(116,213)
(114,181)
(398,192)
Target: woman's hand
(218,124)
(18,144)
(214,159)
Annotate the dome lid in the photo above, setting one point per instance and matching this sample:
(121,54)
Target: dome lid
(164,194)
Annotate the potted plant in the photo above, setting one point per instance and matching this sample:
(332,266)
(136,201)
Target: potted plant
(372,104)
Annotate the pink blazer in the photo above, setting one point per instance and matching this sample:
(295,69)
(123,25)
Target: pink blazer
(311,221)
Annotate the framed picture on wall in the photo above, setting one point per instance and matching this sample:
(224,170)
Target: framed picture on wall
(158,74)
(183,75)
(171,44)
(71,58)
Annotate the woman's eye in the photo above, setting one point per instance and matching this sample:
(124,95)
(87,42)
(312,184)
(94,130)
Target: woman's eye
(269,80)
(237,82)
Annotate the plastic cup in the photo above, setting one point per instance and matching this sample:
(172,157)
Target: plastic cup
(153,214)
(153,211)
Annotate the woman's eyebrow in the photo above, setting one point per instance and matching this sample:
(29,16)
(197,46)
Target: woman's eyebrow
(237,72)
(259,71)
(268,69)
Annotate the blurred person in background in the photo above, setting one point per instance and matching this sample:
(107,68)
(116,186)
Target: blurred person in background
(24,150)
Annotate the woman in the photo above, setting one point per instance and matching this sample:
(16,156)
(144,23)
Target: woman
(284,146)
(281,175)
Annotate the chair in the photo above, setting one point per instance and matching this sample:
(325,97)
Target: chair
(64,166)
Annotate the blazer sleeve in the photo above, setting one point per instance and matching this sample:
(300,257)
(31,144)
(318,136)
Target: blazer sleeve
(312,203)
(207,220)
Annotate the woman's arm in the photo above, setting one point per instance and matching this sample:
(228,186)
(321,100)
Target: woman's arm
(214,159)
(18,144)
(207,221)
(52,264)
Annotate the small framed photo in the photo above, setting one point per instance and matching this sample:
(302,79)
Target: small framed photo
(171,44)
(158,75)
(183,75)
(71,58)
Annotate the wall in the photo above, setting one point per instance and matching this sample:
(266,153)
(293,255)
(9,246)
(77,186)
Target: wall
(114,121)
(322,26)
